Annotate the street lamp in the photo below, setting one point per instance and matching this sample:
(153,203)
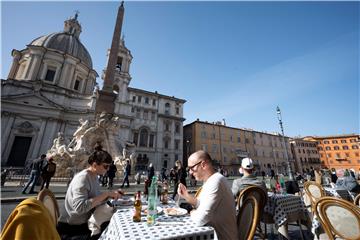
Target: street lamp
(291,177)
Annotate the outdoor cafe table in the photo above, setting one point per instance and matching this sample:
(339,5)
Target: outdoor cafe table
(283,209)
(121,226)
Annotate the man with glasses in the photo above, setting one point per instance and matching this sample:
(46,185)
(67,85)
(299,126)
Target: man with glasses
(214,204)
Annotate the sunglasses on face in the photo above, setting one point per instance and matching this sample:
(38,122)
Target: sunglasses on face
(192,167)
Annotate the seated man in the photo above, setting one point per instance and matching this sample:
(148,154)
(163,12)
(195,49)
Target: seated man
(214,204)
(249,179)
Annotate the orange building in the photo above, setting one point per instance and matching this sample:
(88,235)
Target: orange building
(339,151)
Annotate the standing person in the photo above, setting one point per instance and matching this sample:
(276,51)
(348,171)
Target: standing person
(151,172)
(48,171)
(111,174)
(180,177)
(83,195)
(36,167)
(214,204)
(249,178)
(172,176)
(333,175)
(163,174)
(263,175)
(127,174)
(272,172)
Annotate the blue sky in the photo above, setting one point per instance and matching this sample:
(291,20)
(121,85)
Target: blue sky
(231,60)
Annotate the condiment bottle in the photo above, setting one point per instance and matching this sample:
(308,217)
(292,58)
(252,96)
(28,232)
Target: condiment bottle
(137,207)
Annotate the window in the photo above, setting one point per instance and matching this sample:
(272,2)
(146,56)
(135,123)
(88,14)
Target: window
(139,99)
(203,134)
(176,157)
(166,143)
(345,147)
(338,155)
(50,74)
(336,148)
(177,110)
(238,139)
(134,99)
(177,143)
(77,84)
(327,148)
(347,154)
(152,116)
(320,148)
(132,109)
(146,115)
(119,63)
(167,108)
(153,102)
(355,147)
(334,141)
(356,154)
(151,140)
(138,112)
(231,138)
(135,138)
(177,128)
(326,142)
(343,141)
(214,148)
(328,155)
(143,138)
(299,151)
(146,100)
(167,126)
(213,136)
(352,140)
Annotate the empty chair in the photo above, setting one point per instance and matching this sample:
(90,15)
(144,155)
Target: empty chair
(313,191)
(248,218)
(261,197)
(29,220)
(338,217)
(49,201)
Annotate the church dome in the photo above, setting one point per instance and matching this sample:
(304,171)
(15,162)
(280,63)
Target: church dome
(67,41)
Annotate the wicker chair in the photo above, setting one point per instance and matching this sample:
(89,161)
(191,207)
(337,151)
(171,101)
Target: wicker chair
(261,197)
(357,200)
(314,191)
(248,218)
(339,218)
(49,200)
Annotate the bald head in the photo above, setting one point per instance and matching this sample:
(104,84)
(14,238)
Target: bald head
(201,156)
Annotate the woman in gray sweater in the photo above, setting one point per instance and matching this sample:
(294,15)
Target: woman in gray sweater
(83,196)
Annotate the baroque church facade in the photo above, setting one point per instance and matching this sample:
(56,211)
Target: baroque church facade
(51,88)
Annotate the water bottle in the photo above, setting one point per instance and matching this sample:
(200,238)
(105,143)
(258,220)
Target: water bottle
(282,185)
(152,202)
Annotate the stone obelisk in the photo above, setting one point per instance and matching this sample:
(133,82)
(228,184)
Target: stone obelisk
(106,97)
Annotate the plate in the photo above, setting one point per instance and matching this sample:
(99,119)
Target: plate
(175,212)
(144,210)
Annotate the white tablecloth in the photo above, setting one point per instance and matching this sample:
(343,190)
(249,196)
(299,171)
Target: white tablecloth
(283,209)
(121,226)
(338,192)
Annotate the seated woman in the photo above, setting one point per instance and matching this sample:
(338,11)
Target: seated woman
(83,196)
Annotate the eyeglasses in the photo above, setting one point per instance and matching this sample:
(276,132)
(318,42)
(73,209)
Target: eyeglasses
(192,167)
(106,166)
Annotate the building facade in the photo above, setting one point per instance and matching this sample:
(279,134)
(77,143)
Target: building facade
(305,153)
(339,151)
(52,85)
(228,146)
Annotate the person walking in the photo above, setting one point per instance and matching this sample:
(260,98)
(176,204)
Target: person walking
(127,174)
(180,177)
(111,174)
(36,167)
(48,171)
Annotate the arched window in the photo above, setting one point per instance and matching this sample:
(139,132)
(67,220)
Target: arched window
(144,138)
(116,89)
